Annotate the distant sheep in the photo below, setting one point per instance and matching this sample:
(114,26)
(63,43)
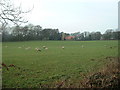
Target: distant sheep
(63,47)
(44,47)
(27,48)
(19,47)
(37,49)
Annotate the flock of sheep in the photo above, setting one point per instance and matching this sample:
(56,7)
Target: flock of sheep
(39,49)
(46,48)
(36,49)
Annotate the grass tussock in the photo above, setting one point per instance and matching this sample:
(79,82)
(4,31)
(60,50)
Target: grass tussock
(107,77)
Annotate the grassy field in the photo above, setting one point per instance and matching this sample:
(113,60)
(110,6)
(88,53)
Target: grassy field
(51,67)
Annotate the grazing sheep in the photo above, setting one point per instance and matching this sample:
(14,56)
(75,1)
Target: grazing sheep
(37,49)
(63,47)
(19,47)
(27,48)
(44,47)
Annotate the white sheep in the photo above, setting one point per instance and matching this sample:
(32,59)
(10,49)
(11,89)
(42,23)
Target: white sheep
(37,49)
(63,47)
(26,48)
(19,47)
(46,48)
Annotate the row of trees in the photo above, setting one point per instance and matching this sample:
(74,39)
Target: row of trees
(110,34)
(35,32)
(30,32)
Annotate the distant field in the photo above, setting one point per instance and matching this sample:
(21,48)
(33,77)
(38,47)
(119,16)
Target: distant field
(49,67)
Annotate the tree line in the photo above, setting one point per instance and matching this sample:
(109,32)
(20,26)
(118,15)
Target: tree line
(30,32)
(109,34)
(36,32)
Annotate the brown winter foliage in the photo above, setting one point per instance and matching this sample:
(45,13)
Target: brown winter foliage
(108,77)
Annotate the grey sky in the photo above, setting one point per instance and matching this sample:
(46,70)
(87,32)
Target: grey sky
(73,15)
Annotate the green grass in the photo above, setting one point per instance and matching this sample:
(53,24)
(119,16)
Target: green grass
(48,67)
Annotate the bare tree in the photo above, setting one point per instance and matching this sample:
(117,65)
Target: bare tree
(11,13)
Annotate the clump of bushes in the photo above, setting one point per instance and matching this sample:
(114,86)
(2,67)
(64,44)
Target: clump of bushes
(108,77)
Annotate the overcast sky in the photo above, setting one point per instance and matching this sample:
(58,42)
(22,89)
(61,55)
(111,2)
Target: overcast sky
(73,15)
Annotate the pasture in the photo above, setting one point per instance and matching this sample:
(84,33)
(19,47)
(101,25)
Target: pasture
(55,65)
